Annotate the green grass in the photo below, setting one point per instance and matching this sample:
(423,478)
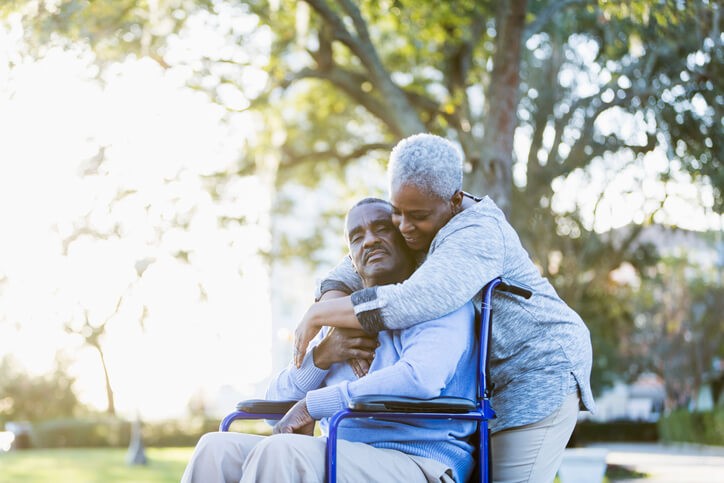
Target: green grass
(91,465)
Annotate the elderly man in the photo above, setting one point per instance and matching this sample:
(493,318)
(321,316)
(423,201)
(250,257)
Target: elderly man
(431,359)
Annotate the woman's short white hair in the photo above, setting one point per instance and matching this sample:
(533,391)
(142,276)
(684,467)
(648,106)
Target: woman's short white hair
(431,163)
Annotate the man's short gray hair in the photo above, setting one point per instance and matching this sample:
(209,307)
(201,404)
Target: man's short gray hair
(428,162)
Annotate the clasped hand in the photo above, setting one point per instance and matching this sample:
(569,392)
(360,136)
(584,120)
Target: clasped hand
(340,345)
(353,345)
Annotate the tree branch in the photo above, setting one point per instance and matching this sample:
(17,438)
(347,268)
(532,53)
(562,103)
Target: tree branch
(292,159)
(336,25)
(350,83)
(400,117)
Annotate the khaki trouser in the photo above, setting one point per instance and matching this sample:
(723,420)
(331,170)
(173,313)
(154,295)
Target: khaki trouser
(237,457)
(533,453)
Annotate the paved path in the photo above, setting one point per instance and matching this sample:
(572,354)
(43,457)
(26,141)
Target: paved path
(678,463)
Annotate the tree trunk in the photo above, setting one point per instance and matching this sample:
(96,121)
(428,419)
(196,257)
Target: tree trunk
(109,391)
(492,173)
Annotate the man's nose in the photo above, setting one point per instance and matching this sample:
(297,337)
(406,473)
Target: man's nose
(370,239)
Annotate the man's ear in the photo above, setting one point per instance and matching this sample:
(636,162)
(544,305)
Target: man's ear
(456,202)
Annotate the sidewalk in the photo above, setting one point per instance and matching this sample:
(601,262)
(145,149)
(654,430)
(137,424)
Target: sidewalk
(676,463)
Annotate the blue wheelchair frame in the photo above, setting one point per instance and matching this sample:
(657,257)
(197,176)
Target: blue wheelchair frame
(391,407)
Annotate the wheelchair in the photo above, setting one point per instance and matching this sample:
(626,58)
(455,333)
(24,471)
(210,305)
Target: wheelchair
(403,408)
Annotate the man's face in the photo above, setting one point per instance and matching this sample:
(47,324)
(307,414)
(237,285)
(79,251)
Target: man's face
(377,248)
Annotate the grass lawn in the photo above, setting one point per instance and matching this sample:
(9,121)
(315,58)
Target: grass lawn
(90,465)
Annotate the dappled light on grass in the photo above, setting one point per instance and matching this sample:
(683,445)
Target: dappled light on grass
(84,465)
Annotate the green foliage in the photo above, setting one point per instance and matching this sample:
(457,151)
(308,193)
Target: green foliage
(587,432)
(112,28)
(186,432)
(81,433)
(679,327)
(26,397)
(331,102)
(105,431)
(684,426)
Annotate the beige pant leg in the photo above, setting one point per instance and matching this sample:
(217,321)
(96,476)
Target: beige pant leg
(219,457)
(533,453)
(287,458)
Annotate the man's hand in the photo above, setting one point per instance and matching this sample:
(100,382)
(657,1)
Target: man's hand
(341,345)
(360,366)
(297,420)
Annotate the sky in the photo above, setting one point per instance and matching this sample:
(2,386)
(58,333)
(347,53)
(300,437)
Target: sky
(135,241)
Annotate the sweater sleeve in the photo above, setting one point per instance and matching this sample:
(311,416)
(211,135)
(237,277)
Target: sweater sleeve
(343,277)
(294,383)
(416,373)
(459,264)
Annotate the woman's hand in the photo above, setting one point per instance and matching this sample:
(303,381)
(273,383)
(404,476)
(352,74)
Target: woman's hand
(304,333)
(341,345)
(297,420)
(337,312)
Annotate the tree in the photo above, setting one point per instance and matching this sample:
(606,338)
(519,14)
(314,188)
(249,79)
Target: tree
(92,335)
(583,86)
(29,397)
(679,334)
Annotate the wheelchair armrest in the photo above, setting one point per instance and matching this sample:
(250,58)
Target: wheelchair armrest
(381,403)
(262,406)
(514,287)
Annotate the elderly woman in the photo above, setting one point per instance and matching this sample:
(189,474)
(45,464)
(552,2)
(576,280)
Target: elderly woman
(541,351)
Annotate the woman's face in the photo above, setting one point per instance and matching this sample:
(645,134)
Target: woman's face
(419,215)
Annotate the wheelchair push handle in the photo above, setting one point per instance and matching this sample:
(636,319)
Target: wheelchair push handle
(514,287)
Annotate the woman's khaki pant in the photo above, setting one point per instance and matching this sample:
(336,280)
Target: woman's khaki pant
(533,453)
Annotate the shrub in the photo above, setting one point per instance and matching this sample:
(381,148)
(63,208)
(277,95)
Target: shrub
(75,433)
(683,426)
(114,432)
(621,431)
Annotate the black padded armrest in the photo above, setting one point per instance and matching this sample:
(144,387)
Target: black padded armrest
(514,287)
(444,404)
(262,406)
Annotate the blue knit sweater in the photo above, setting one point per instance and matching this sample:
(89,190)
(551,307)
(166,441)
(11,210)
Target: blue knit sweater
(430,359)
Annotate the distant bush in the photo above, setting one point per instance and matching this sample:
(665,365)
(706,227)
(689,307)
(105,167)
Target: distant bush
(186,432)
(114,432)
(29,397)
(75,433)
(621,431)
(683,426)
